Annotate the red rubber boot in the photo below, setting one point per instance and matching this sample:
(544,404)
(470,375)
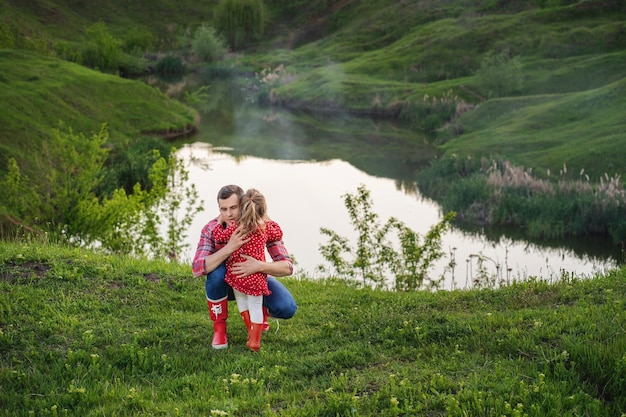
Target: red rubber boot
(266,314)
(246,320)
(219,313)
(254,344)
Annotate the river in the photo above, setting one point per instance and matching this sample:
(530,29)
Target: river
(304,164)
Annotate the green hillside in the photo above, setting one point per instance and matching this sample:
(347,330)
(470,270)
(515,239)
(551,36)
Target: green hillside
(582,130)
(41,93)
(383,56)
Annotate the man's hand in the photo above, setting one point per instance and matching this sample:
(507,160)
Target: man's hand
(247,267)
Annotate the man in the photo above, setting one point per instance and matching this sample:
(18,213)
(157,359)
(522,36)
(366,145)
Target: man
(209,260)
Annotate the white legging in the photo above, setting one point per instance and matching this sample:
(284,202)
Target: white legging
(252,303)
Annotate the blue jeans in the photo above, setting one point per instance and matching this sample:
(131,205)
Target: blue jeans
(280,303)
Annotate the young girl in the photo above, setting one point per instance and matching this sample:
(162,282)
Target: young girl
(249,291)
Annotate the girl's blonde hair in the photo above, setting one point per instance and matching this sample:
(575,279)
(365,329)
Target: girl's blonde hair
(253,211)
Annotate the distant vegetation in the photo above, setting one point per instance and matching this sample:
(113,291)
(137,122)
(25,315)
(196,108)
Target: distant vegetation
(534,85)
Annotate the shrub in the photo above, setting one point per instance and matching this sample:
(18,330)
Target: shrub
(102,51)
(206,45)
(374,259)
(63,202)
(170,66)
(137,41)
(68,52)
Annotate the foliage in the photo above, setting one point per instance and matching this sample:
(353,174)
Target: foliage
(499,193)
(418,254)
(137,40)
(90,334)
(431,113)
(130,163)
(207,45)
(69,168)
(374,257)
(63,204)
(500,74)
(198,96)
(240,21)
(169,66)
(102,51)
(12,36)
(170,196)
(267,80)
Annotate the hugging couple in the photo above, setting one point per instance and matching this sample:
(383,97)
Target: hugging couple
(231,254)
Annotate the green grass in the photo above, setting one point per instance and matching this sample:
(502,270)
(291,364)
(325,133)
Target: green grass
(40,94)
(86,334)
(582,130)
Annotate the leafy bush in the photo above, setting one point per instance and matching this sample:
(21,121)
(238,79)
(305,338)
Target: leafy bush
(137,40)
(68,52)
(102,51)
(130,164)
(240,21)
(63,202)
(206,45)
(374,259)
(169,66)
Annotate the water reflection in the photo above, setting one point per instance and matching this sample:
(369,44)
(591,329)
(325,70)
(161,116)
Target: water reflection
(305,164)
(306,195)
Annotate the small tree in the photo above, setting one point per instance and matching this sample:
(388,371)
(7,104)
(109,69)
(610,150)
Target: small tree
(374,259)
(207,45)
(240,21)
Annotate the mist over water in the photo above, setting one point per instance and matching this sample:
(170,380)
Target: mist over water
(304,165)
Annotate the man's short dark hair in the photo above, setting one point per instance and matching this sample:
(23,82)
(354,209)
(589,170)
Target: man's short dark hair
(228,190)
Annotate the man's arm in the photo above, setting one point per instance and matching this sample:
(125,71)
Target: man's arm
(250,266)
(281,266)
(208,254)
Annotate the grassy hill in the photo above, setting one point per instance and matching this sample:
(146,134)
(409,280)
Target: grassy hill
(41,93)
(571,62)
(581,130)
(381,56)
(83,334)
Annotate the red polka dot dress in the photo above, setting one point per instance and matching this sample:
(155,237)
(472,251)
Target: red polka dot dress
(255,284)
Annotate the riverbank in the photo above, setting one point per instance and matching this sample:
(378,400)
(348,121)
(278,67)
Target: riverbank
(87,334)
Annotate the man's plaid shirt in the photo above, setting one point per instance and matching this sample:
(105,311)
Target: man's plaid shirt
(207,245)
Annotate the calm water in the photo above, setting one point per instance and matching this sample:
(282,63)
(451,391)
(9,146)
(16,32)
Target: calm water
(305,165)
